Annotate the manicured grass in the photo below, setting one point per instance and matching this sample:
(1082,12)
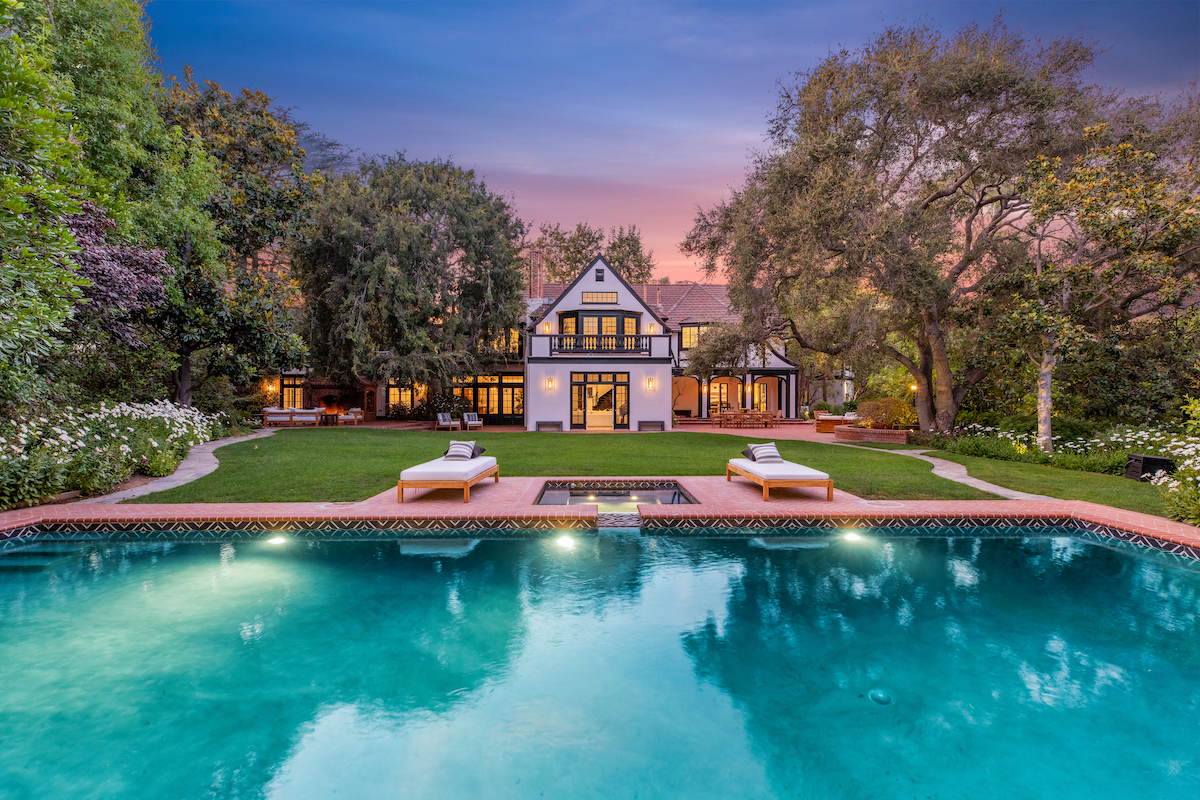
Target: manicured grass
(1065,484)
(353,464)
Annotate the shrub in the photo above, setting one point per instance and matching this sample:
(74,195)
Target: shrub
(441,404)
(889,411)
(822,406)
(92,450)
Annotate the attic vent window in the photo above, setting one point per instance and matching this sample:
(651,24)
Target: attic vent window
(600,274)
(599,297)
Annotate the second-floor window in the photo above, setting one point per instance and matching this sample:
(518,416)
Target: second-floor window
(691,335)
(599,297)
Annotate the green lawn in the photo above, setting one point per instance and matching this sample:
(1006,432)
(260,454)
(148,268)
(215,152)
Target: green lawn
(1065,484)
(353,464)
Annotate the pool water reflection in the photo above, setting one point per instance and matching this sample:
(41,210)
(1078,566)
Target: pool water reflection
(613,667)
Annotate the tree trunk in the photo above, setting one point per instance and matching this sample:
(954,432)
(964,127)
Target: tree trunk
(1045,405)
(946,399)
(182,380)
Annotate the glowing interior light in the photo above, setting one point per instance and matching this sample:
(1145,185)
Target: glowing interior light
(276,540)
(852,537)
(565,542)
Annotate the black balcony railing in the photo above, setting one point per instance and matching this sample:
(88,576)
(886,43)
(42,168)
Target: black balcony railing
(595,343)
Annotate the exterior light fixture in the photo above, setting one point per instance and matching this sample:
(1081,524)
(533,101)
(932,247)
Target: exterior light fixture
(652,328)
(549,383)
(912,388)
(649,383)
(545,327)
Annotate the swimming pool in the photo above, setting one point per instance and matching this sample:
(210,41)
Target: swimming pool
(603,666)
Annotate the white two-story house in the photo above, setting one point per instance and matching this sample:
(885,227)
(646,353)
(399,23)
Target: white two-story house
(597,357)
(602,354)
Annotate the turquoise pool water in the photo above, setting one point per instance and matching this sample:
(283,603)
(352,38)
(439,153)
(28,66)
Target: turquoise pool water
(603,667)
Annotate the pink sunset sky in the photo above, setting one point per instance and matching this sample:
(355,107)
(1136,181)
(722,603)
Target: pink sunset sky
(606,113)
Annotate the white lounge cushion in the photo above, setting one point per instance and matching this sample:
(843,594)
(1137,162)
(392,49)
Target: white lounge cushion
(442,470)
(788,470)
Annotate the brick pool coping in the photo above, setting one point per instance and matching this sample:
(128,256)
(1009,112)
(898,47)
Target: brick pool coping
(508,507)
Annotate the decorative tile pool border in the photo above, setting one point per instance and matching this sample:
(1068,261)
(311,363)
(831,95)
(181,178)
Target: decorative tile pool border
(521,527)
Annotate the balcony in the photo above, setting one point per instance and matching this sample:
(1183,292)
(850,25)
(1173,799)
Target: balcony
(594,343)
(599,345)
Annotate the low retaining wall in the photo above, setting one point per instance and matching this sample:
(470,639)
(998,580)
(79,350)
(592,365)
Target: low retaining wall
(848,433)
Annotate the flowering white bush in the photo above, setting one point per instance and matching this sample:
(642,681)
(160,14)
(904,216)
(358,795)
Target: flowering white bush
(93,449)
(1103,453)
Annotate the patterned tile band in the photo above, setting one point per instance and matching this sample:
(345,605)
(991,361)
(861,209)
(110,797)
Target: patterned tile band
(330,530)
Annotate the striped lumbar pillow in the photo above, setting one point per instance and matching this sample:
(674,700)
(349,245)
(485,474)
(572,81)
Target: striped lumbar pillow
(766,453)
(460,451)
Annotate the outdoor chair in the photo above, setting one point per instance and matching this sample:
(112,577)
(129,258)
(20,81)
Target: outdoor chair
(447,422)
(472,420)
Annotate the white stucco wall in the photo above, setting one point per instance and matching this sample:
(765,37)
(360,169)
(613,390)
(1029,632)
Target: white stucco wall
(544,404)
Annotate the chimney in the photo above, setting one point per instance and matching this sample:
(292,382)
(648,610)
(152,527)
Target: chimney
(536,269)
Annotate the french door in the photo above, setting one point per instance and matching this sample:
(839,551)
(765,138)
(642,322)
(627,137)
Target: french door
(600,401)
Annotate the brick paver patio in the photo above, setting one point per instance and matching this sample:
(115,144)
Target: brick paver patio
(510,503)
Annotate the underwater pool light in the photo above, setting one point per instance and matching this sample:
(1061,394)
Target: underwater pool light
(277,540)
(565,542)
(852,537)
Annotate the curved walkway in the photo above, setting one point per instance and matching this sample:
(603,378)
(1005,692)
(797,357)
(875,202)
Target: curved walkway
(199,462)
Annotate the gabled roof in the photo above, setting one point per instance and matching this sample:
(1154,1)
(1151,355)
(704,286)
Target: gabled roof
(678,303)
(543,310)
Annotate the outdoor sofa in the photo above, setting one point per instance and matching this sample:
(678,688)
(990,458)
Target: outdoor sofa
(352,416)
(291,416)
(443,474)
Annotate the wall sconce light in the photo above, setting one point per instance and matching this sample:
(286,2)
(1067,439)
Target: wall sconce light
(549,383)
(652,329)
(649,383)
(545,327)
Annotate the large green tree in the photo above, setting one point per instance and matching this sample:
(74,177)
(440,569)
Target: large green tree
(37,284)
(264,193)
(565,253)
(1116,239)
(204,177)
(410,272)
(889,191)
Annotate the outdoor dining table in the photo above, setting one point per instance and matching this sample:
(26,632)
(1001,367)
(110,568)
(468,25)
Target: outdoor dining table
(745,419)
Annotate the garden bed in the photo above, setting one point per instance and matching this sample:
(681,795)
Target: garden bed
(848,433)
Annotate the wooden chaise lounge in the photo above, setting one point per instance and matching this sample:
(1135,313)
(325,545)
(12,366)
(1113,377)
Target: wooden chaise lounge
(771,476)
(443,474)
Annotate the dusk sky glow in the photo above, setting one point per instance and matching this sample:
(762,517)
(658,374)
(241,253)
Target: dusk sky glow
(609,113)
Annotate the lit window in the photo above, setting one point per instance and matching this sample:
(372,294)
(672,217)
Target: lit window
(291,392)
(692,334)
(599,297)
